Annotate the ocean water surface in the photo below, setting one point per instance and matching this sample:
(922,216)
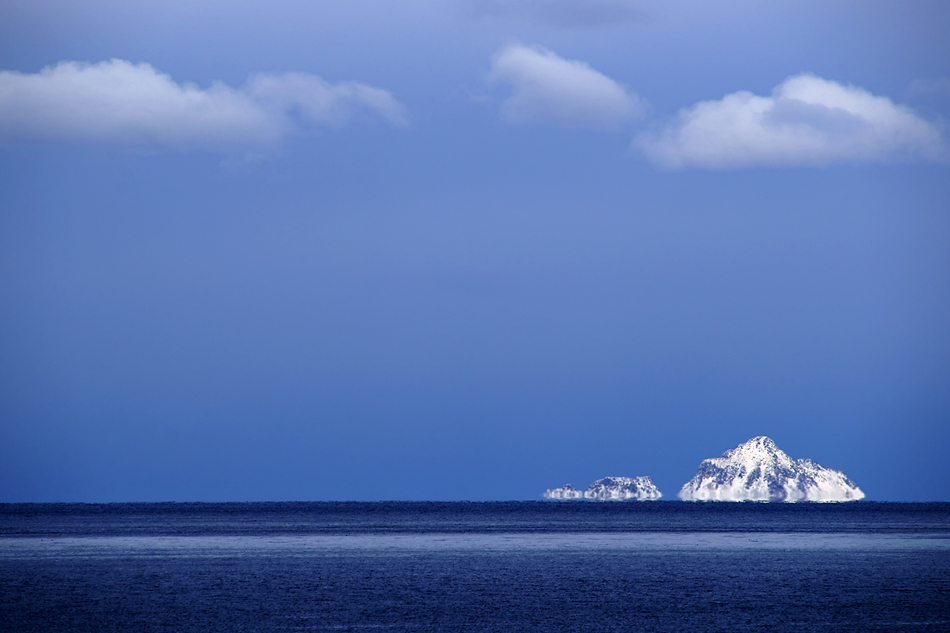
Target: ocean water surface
(532,566)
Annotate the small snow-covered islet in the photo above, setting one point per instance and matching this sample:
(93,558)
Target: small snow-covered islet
(759,471)
(610,489)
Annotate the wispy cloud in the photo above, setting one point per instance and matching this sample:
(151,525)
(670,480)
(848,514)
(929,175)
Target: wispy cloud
(549,89)
(561,13)
(119,103)
(806,121)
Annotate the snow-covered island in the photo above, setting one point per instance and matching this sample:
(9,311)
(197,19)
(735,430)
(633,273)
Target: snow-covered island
(565,493)
(759,471)
(610,489)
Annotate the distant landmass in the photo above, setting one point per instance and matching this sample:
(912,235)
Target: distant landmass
(609,489)
(759,471)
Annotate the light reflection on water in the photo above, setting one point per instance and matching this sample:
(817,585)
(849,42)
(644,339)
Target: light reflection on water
(396,544)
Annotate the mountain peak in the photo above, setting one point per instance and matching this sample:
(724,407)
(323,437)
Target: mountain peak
(761,443)
(758,470)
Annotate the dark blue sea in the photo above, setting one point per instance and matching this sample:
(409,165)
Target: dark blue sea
(486,567)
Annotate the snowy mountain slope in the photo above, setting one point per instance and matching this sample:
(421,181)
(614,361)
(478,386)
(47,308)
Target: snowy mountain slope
(622,489)
(759,471)
(567,493)
(610,489)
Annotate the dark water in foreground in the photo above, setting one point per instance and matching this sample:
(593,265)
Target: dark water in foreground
(539,567)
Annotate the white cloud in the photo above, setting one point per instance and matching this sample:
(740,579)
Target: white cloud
(806,121)
(117,102)
(332,105)
(549,89)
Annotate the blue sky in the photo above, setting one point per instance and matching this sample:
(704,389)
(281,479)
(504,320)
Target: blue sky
(469,249)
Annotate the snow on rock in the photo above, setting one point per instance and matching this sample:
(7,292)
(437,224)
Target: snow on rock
(610,489)
(567,493)
(622,489)
(759,471)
